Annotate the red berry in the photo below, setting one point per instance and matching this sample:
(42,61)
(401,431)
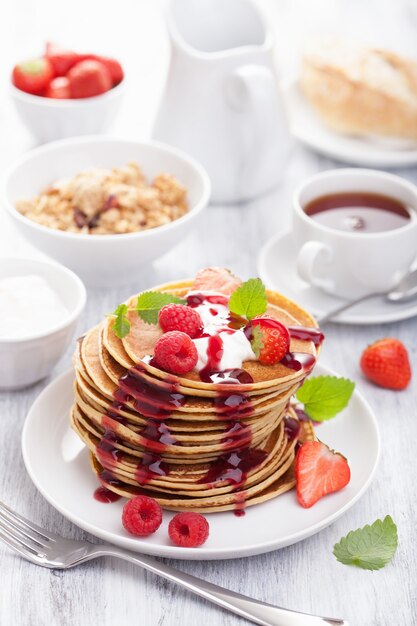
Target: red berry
(88,79)
(270,339)
(33,76)
(175,353)
(319,471)
(114,67)
(180,317)
(188,530)
(61,59)
(142,516)
(386,364)
(58,88)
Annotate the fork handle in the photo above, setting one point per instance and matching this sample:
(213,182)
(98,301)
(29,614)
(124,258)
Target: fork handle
(253,610)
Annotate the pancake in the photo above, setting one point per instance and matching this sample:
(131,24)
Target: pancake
(140,342)
(189,443)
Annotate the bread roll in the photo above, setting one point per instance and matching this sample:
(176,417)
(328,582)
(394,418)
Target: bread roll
(361,90)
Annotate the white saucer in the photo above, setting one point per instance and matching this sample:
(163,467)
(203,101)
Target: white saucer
(57,462)
(373,152)
(277,268)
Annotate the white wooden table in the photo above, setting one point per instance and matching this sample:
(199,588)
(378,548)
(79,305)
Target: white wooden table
(305,576)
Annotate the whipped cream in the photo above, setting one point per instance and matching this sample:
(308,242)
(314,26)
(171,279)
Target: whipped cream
(215,317)
(28,306)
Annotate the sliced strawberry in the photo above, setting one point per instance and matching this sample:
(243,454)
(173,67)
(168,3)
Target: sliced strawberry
(61,60)
(216,279)
(270,339)
(386,364)
(318,472)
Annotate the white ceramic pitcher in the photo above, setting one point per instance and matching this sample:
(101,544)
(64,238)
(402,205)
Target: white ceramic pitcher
(221,102)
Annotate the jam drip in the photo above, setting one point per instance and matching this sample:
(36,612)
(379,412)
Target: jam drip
(292,428)
(148,399)
(151,467)
(234,376)
(197,299)
(107,452)
(105,495)
(155,402)
(237,436)
(298,361)
(234,468)
(307,334)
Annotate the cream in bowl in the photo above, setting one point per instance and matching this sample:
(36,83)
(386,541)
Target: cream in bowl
(40,304)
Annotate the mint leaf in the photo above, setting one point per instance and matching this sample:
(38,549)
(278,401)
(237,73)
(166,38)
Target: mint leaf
(249,300)
(150,302)
(325,396)
(370,547)
(121,325)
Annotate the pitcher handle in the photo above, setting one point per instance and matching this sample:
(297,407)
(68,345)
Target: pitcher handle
(252,91)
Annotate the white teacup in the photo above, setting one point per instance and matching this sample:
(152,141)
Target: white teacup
(352,264)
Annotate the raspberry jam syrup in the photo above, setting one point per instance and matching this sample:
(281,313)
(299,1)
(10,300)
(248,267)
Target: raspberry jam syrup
(307,334)
(154,401)
(105,496)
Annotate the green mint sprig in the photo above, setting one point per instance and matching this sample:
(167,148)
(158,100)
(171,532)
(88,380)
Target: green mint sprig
(249,300)
(121,325)
(325,396)
(370,547)
(147,307)
(150,303)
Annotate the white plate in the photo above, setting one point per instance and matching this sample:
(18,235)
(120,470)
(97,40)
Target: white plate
(373,152)
(58,464)
(277,268)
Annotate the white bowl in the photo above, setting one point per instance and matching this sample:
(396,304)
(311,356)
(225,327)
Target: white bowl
(49,119)
(103,260)
(27,360)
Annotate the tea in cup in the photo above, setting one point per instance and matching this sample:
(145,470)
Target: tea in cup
(355,230)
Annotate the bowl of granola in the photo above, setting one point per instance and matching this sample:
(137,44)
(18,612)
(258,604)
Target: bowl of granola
(105,207)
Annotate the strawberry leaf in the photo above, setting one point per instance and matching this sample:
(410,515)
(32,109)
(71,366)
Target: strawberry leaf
(121,324)
(325,396)
(249,300)
(370,547)
(150,303)
(257,341)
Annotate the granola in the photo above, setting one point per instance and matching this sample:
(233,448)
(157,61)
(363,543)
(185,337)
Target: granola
(107,202)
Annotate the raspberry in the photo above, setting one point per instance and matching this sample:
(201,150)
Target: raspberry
(188,530)
(142,516)
(180,317)
(270,339)
(175,353)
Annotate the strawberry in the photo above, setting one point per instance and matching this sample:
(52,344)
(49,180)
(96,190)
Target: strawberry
(88,79)
(62,60)
(386,364)
(216,279)
(319,471)
(58,88)
(33,76)
(270,339)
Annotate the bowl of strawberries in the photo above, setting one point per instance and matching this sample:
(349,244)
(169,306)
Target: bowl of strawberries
(65,93)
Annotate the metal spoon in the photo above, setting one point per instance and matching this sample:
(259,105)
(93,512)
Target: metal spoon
(404,290)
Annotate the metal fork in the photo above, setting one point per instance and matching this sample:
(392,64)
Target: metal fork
(50,550)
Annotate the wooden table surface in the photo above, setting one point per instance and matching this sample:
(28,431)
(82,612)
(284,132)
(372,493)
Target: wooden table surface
(304,576)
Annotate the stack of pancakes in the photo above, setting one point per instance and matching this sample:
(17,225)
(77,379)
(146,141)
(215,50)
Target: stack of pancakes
(191,445)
